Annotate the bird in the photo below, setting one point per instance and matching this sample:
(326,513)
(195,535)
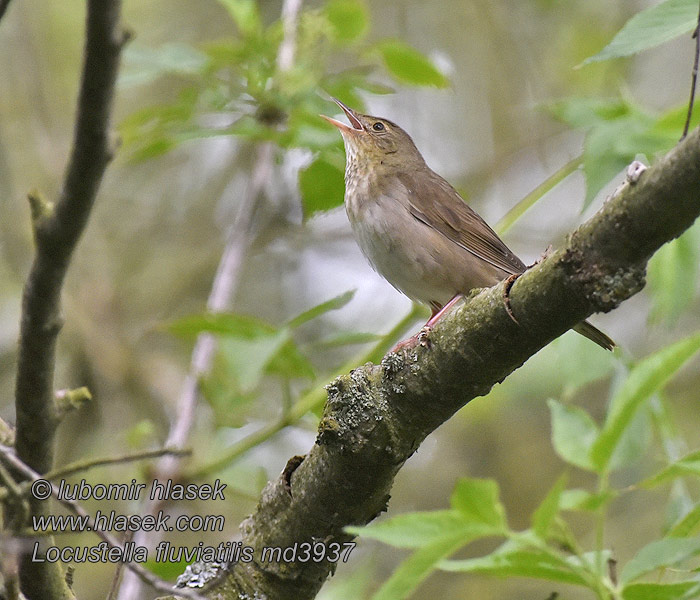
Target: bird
(414,228)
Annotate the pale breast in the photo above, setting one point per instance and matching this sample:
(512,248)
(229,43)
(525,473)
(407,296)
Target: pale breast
(416,259)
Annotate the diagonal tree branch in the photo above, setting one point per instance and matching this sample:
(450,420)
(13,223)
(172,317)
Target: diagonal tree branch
(377,415)
(57,231)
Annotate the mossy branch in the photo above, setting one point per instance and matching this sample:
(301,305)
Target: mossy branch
(377,415)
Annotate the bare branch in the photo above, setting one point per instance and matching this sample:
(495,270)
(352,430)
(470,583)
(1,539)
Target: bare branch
(223,289)
(57,231)
(158,583)
(693,79)
(84,465)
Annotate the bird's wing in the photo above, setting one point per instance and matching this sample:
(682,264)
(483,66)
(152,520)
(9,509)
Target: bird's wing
(437,204)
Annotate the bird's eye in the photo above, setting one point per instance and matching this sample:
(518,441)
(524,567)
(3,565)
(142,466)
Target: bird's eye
(378,126)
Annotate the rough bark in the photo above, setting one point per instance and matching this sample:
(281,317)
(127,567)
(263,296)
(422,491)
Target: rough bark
(377,415)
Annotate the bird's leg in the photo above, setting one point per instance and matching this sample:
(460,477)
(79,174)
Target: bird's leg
(422,336)
(437,314)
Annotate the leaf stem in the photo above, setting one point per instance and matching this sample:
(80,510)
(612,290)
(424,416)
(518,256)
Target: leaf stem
(510,218)
(311,400)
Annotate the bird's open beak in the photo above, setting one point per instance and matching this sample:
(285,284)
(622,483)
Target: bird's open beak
(355,123)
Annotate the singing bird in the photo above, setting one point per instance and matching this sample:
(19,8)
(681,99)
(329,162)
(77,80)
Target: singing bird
(414,227)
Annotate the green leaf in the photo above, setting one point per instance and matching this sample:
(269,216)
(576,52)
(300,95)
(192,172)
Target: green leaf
(507,561)
(584,113)
(651,27)
(231,406)
(152,149)
(417,567)
(477,502)
(165,569)
(687,524)
(634,441)
(661,553)
(243,326)
(415,530)
(290,363)
(603,158)
(408,65)
(145,65)
(348,18)
(246,359)
(617,132)
(244,14)
(548,509)
(573,434)
(320,309)
(140,434)
(672,276)
(688,465)
(322,187)
(661,591)
(645,379)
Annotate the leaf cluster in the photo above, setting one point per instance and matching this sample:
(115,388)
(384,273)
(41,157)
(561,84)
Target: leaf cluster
(550,549)
(239,86)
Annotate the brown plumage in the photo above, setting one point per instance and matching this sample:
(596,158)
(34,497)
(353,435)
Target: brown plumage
(413,226)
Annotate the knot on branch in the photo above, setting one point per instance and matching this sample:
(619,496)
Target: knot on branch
(42,213)
(70,400)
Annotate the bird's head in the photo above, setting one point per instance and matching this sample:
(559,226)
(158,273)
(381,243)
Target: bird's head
(375,139)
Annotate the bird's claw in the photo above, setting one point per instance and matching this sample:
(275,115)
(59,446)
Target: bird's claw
(545,254)
(506,295)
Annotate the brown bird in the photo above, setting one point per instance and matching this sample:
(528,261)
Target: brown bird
(413,226)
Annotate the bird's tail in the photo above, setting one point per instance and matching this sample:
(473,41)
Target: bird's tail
(595,335)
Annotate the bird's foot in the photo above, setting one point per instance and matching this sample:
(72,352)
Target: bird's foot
(547,252)
(437,315)
(506,295)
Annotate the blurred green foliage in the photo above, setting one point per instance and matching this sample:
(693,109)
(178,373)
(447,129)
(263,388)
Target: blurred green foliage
(649,28)
(237,86)
(617,131)
(232,84)
(549,549)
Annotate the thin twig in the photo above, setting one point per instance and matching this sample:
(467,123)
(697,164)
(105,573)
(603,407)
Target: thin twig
(78,466)
(693,78)
(519,209)
(311,400)
(148,577)
(223,289)
(112,594)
